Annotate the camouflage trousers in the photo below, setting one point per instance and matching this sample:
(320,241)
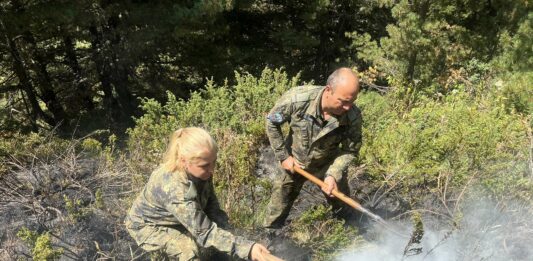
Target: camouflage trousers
(172,243)
(286,189)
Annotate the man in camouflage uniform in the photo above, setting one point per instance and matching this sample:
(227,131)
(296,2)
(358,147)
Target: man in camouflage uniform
(324,137)
(174,209)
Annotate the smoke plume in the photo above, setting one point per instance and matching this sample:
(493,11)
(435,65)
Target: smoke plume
(484,231)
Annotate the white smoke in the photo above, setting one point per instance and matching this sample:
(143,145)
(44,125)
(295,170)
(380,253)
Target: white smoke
(484,232)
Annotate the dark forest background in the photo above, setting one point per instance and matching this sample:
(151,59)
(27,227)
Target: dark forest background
(63,61)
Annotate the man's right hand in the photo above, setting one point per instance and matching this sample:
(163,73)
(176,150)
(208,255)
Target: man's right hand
(288,164)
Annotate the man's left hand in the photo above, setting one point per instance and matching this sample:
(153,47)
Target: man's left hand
(329,185)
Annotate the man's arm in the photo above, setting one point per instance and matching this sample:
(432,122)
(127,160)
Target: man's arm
(279,114)
(349,149)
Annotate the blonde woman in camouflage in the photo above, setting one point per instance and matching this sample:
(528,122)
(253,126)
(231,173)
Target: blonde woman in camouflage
(177,212)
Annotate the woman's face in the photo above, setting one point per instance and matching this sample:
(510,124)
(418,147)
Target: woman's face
(203,166)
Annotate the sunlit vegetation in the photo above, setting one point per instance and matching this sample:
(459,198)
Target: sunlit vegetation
(90,91)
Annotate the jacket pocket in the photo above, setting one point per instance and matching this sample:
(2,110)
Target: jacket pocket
(301,135)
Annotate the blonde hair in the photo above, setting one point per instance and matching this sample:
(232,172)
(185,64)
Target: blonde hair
(186,143)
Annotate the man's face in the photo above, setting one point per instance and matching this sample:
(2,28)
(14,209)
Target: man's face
(341,100)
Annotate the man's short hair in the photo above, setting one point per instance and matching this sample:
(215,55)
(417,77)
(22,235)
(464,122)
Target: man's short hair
(335,77)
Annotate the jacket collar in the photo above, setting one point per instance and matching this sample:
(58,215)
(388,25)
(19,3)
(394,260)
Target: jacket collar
(314,110)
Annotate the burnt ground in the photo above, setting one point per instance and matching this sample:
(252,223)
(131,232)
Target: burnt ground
(33,197)
(92,228)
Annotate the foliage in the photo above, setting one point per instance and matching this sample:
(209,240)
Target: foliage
(233,114)
(38,145)
(320,231)
(412,247)
(432,42)
(68,64)
(99,199)
(63,62)
(75,209)
(41,245)
(440,145)
(517,94)
(25,148)
(43,250)
(28,236)
(458,111)
(517,54)
(91,145)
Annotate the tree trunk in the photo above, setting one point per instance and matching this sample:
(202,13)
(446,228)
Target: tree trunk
(112,70)
(25,83)
(411,66)
(83,90)
(421,8)
(102,68)
(46,88)
(120,81)
(119,78)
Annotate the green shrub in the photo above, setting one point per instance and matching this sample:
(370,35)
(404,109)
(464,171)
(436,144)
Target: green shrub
(26,148)
(75,210)
(91,145)
(43,250)
(318,230)
(440,145)
(40,245)
(28,236)
(99,199)
(517,93)
(234,115)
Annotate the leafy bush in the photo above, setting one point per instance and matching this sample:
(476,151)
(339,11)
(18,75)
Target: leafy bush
(517,93)
(75,209)
(234,115)
(516,54)
(317,229)
(440,145)
(41,245)
(26,148)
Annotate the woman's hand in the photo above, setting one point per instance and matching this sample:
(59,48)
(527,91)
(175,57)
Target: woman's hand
(258,253)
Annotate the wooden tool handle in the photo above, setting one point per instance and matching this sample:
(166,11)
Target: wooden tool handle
(352,203)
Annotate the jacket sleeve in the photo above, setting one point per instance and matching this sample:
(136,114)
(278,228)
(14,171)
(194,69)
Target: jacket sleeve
(214,211)
(204,231)
(349,148)
(279,114)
